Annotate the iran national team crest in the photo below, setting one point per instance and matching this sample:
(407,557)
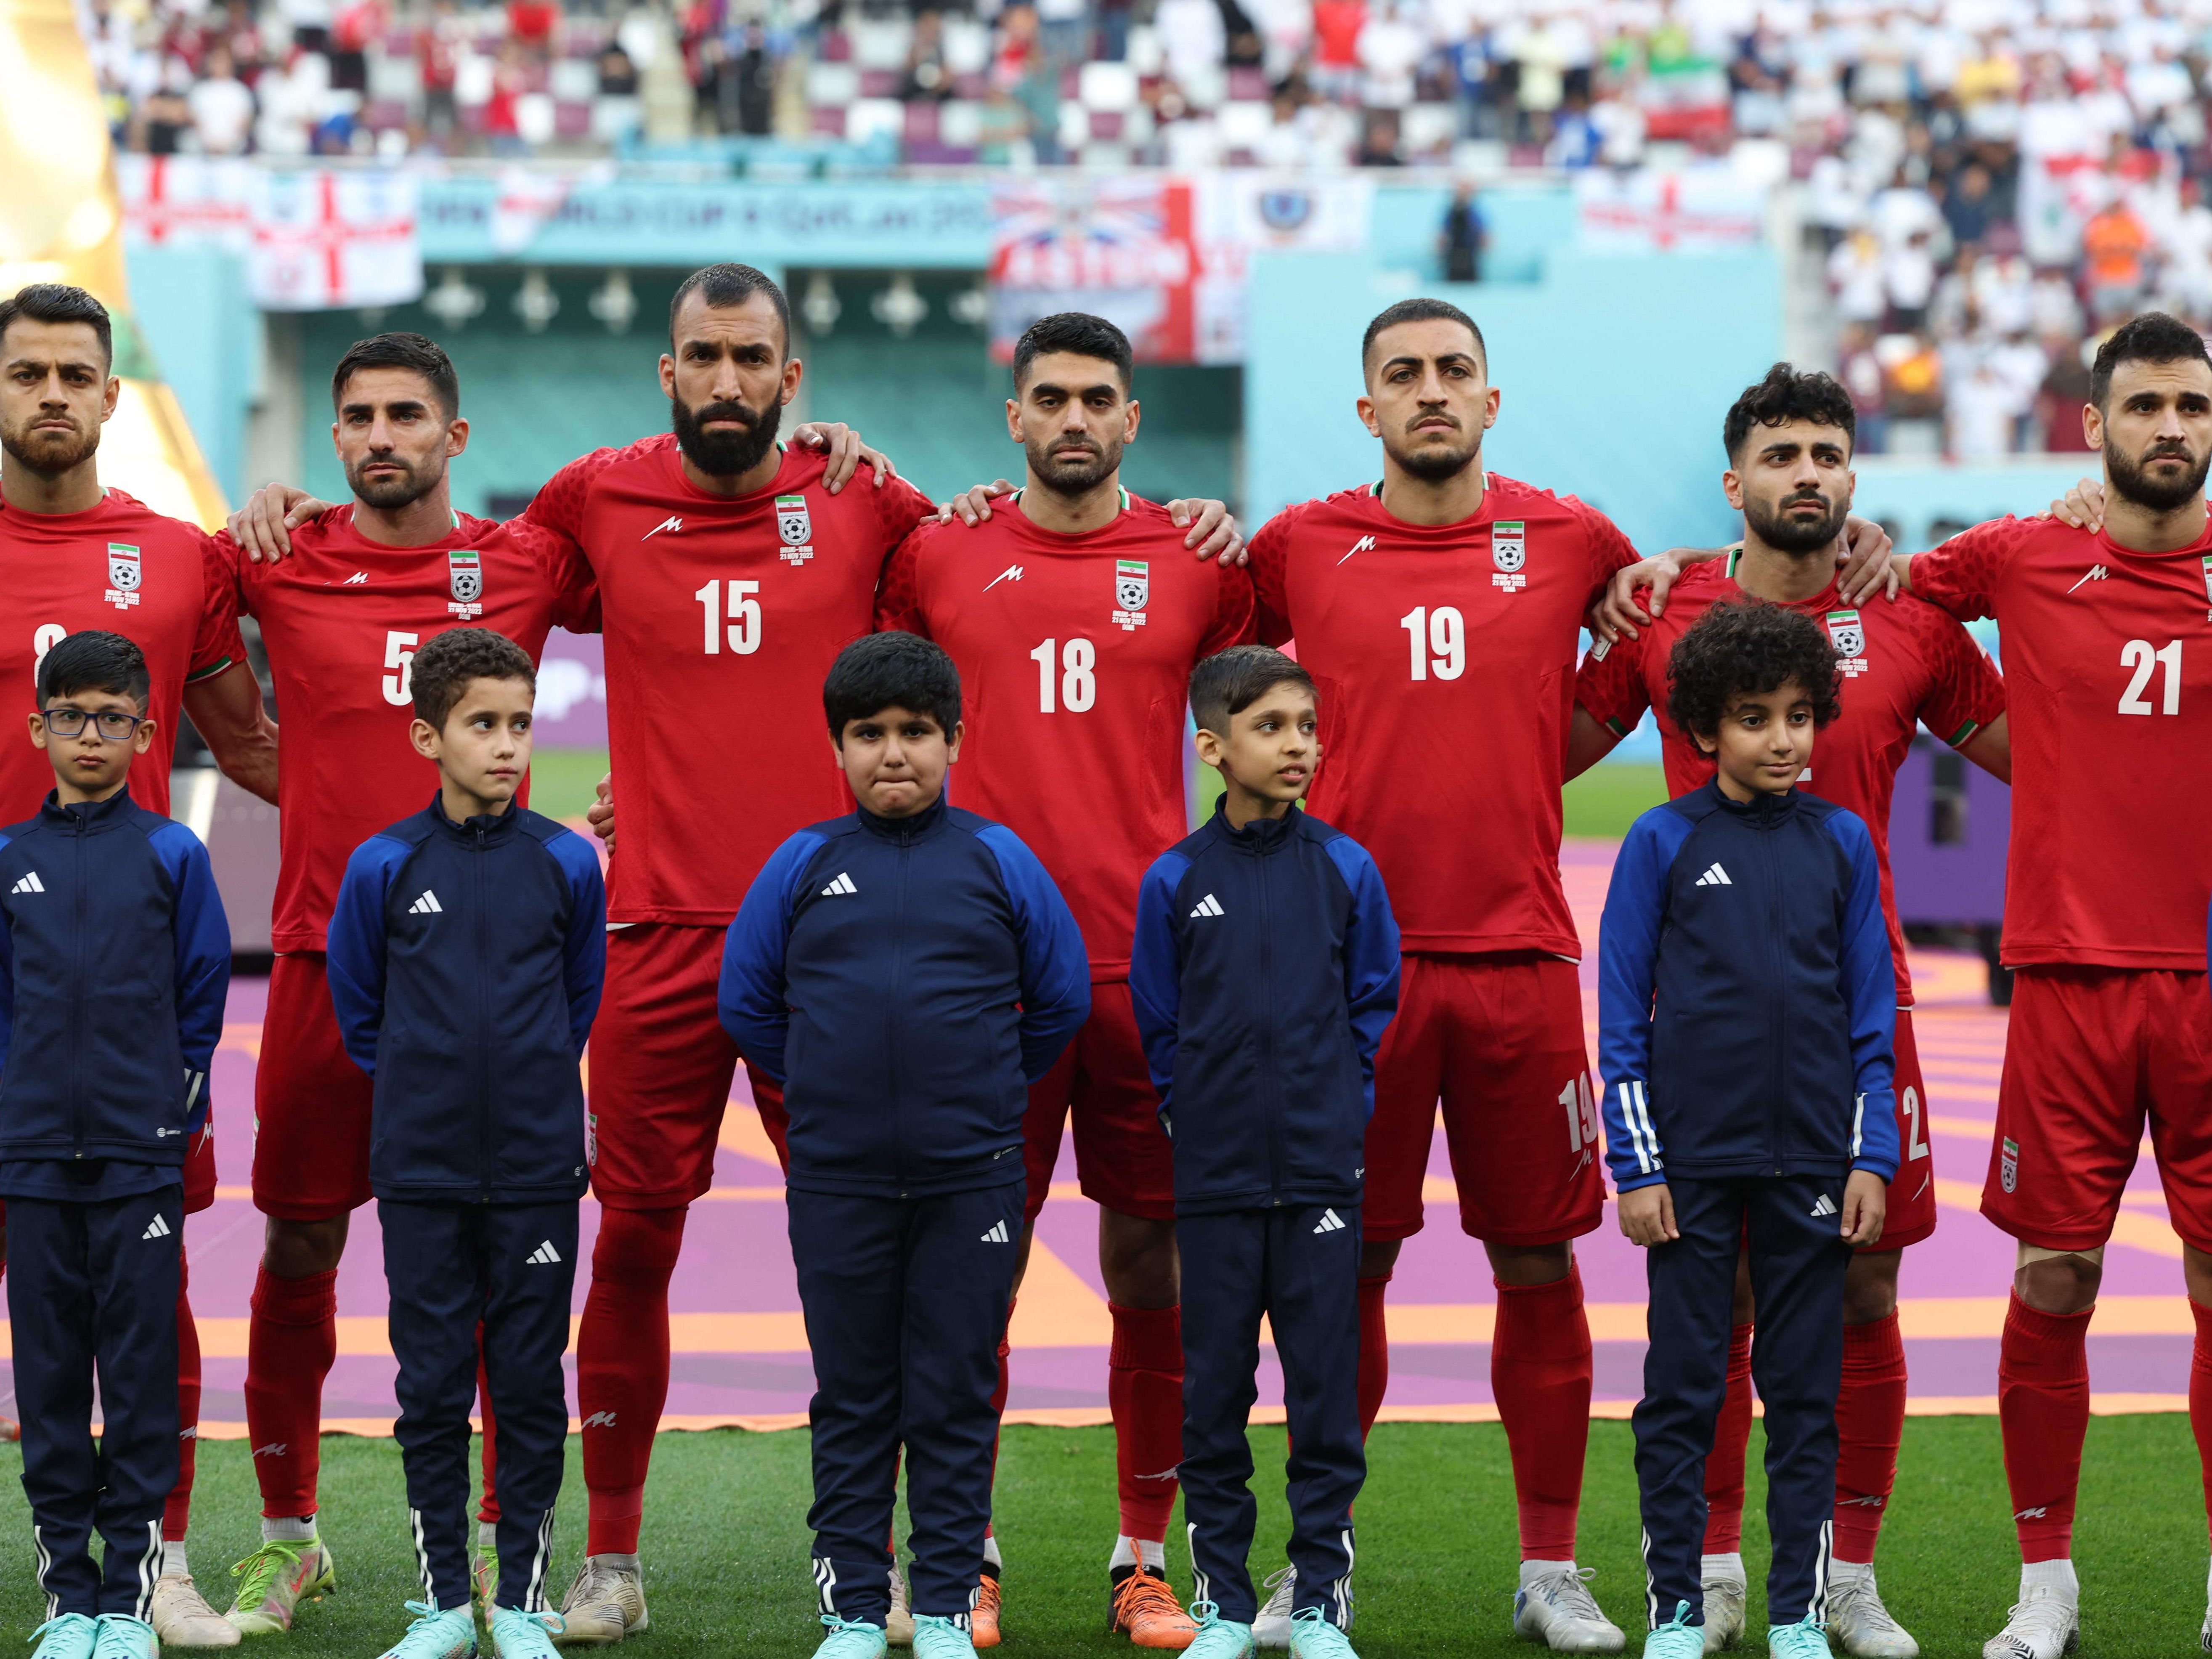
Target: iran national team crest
(124,572)
(1508,551)
(795,524)
(1132,588)
(1848,634)
(464,579)
(2208,585)
(2008,1166)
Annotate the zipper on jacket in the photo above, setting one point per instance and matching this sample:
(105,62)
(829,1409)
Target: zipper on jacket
(76,1013)
(1776,1109)
(899,975)
(483,1007)
(1271,1105)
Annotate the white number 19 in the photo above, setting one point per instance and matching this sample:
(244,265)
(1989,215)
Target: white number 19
(1439,641)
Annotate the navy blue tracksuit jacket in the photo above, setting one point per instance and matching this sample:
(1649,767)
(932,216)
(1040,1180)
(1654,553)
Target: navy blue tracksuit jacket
(1747,1009)
(1264,973)
(114,962)
(466,963)
(904,979)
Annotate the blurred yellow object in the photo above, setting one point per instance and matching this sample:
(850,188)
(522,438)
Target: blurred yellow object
(61,222)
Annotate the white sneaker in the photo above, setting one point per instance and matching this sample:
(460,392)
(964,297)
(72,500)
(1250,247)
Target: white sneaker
(1859,1624)
(2203,1636)
(899,1628)
(605,1602)
(183,1619)
(2044,1627)
(1272,1629)
(1725,1596)
(1557,1609)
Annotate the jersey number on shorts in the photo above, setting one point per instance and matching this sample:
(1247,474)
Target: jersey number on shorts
(1078,661)
(1916,1141)
(743,630)
(1439,641)
(2138,655)
(399,657)
(1581,1114)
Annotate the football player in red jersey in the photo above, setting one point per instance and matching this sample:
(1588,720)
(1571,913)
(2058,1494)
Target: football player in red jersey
(1789,440)
(1076,616)
(74,555)
(365,584)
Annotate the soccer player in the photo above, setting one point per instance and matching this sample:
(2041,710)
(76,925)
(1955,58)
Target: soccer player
(1076,618)
(75,556)
(1789,440)
(365,585)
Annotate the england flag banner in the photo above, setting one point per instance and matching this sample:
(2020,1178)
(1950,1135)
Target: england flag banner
(324,240)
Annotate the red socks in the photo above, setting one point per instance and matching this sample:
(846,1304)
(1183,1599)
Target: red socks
(2200,1395)
(488,1510)
(177,1513)
(291,1341)
(1539,1375)
(1143,1389)
(622,1367)
(1731,1442)
(1869,1425)
(2043,1405)
(1374,1350)
(1005,1386)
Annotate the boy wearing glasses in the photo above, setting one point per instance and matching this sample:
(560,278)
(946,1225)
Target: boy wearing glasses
(114,961)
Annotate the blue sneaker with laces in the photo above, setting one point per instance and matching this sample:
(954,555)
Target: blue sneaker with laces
(938,1638)
(847,1640)
(435,1633)
(1218,1638)
(1674,1640)
(518,1635)
(1806,1639)
(71,1636)
(1312,1636)
(118,1636)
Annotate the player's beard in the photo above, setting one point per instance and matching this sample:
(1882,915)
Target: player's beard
(1102,460)
(2132,479)
(390,495)
(50,457)
(1432,463)
(725,454)
(1774,526)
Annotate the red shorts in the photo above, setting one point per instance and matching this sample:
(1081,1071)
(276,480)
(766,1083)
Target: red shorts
(310,1101)
(1123,1159)
(2093,1053)
(1499,1039)
(1911,1216)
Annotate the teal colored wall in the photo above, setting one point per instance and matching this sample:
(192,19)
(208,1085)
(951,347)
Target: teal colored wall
(192,310)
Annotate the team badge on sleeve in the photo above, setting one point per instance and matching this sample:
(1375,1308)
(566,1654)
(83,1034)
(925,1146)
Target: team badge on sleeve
(1848,634)
(795,524)
(1132,588)
(1508,551)
(464,579)
(124,572)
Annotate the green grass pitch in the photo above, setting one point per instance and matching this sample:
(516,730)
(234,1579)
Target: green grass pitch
(725,1540)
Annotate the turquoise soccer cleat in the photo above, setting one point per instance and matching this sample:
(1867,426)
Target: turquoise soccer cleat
(72,1636)
(450,1633)
(1312,1636)
(1674,1640)
(847,1640)
(1218,1638)
(518,1635)
(937,1638)
(118,1636)
(1806,1639)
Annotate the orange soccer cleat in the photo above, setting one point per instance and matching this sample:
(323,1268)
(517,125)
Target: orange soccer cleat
(983,1622)
(1146,1607)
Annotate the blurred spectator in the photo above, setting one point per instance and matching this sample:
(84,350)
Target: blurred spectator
(744,83)
(1912,401)
(1337,25)
(2114,242)
(1378,141)
(1966,205)
(1064,30)
(1192,38)
(166,116)
(1389,49)
(2065,393)
(1462,237)
(1861,372)
(221,107)
(928,78)
(437,59)
(530,27)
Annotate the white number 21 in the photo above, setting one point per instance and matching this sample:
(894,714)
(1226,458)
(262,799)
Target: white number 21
(2138,655)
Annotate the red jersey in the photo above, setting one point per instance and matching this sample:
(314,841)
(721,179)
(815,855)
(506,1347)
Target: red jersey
(343,617)
(723,618)
(1903,665)
(125,567)
(1445,656)
(2108,672)
(1075,654)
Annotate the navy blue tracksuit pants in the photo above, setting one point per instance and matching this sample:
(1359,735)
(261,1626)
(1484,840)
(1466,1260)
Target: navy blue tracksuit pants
(509,1268)
(93,1286)
(905,1303)
(1299,1265)
(1792,1228)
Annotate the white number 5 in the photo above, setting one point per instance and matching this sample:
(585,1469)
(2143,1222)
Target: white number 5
(2138,655)
(399,656)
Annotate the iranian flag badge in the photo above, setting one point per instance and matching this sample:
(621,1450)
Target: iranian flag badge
(464,580)
(794,524)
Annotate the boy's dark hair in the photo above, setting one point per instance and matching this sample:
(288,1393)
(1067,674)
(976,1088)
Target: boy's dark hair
(57,302)
(1080,334)
(727,285)
(414,352)
(1421,310)
(1751,647)
(890,671)
(94,661)
(2153,337)
(1784,396)
(449,662)
(1229,682)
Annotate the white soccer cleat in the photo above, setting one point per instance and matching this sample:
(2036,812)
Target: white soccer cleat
(1725,1596)
(1271,1628)
(605,1602)
(1857,1621)
(2043,1626)
(183,1619)
(898,1626)
(2203,1636)
(1557,1609)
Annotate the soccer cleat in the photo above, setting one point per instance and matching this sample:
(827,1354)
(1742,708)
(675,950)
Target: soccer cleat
(1674,1640)
(119,1636)
(436,1633)
(271,1581)
(898,1623)
(518,1635)
(605,1602)
(70,1637)
(1218,1638)
(983,1622)
(1312,1636)
(937,1638)
(1806,1639)
(1272,1629)
(483,1583)
(2204,1636)
(1725,1600)
(2043,1626)
(847,1640)
(1558,1610)
(1143,1606)
(1859,1622)
(183,1619)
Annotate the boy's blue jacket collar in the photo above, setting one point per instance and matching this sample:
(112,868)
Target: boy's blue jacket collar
(912,827)
(479,823)
(1261,837)
(89,816)
(1763,809)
